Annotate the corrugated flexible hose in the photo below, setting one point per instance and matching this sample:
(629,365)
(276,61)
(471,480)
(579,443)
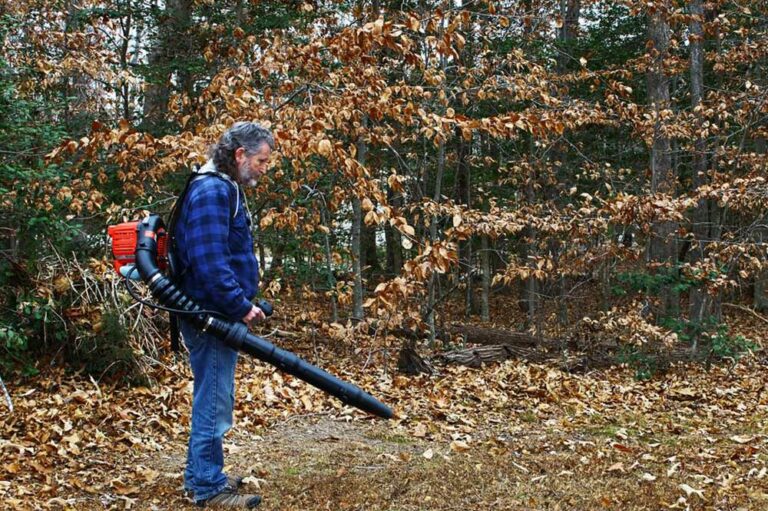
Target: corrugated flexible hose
(236,334)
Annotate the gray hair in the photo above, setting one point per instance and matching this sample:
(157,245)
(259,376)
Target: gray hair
(248,135)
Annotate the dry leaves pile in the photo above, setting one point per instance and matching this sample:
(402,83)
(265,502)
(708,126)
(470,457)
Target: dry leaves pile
(511,436)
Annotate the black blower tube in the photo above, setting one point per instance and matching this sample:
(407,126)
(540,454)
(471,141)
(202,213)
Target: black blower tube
(236,334)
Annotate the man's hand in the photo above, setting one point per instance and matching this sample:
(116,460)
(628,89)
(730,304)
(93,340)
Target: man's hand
(254,315)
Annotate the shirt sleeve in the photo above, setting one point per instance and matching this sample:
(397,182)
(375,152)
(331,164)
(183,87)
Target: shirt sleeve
(207,243)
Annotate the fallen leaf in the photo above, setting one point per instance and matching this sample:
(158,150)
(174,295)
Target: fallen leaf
(459,446)
(621,447)
(692,491)
(254,481)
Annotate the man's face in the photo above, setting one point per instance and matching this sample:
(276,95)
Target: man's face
(251,166)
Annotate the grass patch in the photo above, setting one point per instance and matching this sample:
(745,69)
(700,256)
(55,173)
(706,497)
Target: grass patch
(393,438)
(292,471)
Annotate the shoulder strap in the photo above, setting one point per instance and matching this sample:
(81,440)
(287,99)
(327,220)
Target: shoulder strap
(173,267)
(200,172)
(176,209)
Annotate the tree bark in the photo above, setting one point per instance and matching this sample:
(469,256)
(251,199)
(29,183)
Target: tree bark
(277,256)
(172,44)
(369,251)
(357,292)
(331,280)
(393,240)
(473,334)
(485,313)
(410,362)
(700,304)
(567,34)
(661,357)
(529,242)
(75,86)
(760,295)
(430,312)
(463,196)
(431,294)
(662,246)
(357,224)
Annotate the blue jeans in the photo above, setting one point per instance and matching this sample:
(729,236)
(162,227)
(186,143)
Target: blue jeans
(213,398)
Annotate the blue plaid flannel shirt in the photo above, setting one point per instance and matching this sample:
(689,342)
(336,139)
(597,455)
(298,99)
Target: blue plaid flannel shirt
(218,268)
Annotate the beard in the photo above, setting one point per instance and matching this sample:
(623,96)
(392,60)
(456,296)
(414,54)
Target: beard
(244,175)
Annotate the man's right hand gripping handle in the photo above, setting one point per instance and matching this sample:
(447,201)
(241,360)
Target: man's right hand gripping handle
(258,313)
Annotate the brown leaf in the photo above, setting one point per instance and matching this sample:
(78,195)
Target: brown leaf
(324,147)
(459,446)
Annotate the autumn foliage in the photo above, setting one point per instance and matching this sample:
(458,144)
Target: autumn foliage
(566,156)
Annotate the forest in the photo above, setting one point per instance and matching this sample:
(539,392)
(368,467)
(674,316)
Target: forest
(535,229)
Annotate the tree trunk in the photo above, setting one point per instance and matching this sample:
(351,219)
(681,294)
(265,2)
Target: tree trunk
(700,304)
(125,90)
(369,253)
(331,280)
(410,362)
(760,296)
(529,241)
(463,196)
(278,253)
(75,86)
(567,34)
(357,292)
(529,291)
(485,258)
(662,246)
(569,11)
(430,312)
(173,44)
(393,239)
(357,225)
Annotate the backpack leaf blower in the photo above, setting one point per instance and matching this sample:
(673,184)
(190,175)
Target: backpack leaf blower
(144,244)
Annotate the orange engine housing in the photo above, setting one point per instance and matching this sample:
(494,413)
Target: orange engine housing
(124,245)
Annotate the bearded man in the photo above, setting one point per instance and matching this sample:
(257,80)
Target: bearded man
(217,268)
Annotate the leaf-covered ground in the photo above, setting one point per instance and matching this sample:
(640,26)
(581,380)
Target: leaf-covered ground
(508,436)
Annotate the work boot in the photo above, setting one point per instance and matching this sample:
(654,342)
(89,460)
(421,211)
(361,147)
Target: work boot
(228,497)
(233,481)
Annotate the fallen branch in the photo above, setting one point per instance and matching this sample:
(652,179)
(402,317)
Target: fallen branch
(473,334)
(657,355)
(482,335)
(475,357)
(747,309)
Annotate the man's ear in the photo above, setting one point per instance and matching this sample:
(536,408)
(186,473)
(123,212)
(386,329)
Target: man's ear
(239,154)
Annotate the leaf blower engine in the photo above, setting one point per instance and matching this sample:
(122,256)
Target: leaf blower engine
(142,247)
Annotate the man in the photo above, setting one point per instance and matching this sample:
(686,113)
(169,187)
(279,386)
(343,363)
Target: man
(218,270)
